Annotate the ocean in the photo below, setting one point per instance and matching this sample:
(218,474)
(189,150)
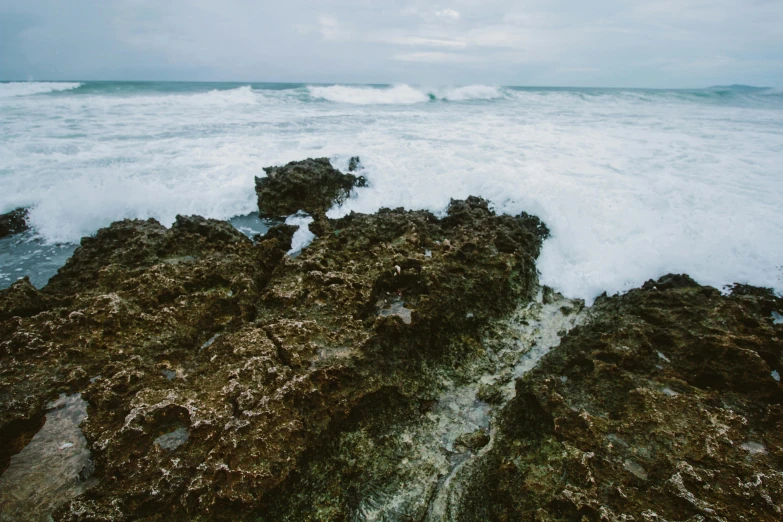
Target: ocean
(632,183)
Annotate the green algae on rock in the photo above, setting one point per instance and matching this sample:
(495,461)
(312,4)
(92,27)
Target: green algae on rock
(311,185)
(661,407)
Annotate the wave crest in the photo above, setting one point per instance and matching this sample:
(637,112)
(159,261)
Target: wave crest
(397,95)
(12,89)
(238,96)
(472,92)
(402,94)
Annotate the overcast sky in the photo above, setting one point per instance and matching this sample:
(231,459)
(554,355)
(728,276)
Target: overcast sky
(656,43)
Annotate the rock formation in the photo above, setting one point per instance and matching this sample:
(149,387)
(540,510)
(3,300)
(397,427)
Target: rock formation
(211,364)
(312,185)
(666,405)
(13,222)
(389,372)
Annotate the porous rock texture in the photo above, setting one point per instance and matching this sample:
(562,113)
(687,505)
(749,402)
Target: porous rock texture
(663,407)
(226,380)
(211,364)
(311,185)
(13,222)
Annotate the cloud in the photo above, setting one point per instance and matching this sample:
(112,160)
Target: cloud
(421,41)
(331,30)
(448,13)
(432,57)
(655,43)
(578,69)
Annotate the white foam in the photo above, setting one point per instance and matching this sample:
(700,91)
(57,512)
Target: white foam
(302,237)
(632,185)
(12,89)
(402,94)
(239,96)
(397,95)
(471,92)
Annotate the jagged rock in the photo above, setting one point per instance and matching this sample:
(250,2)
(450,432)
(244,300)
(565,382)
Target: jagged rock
(354,164)
(248,356)
(13,222)
(312,185)
(473,441)
(225,380)
(662,407)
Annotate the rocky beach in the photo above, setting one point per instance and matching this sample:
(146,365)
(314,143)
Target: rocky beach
(401,366)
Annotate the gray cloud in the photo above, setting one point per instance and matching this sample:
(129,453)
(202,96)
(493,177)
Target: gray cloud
(655,43)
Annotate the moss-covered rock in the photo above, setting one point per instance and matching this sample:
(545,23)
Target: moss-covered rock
(663,407)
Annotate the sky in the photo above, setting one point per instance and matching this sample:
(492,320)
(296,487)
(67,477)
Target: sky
(620,43)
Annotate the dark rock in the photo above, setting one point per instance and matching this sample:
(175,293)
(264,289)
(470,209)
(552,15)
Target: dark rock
(354,164)
(662,407)
(312,185)
(257,357)
(227,381)
(473,441)
(13,222)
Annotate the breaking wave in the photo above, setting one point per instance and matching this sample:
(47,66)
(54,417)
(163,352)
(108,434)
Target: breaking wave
(401,94)
(11,89)
(632,183)
(472,92)
(397,95)
(240,95)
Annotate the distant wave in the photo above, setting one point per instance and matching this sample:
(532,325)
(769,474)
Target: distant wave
(401,94)
(397,95)
(240,95)
(8,90)
(471,92)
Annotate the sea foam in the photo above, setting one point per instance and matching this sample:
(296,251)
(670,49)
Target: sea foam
(397,95)
(402,94)
(29,88)
(632,184)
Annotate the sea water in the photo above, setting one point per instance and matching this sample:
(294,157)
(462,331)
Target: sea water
(633,184)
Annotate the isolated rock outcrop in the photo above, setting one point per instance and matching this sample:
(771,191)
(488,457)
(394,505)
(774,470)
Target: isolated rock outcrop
(13,222)
(311,185)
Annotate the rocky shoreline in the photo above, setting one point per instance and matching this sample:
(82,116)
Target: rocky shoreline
(388,372)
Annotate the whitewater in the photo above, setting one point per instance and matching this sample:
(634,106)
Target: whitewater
(632,183)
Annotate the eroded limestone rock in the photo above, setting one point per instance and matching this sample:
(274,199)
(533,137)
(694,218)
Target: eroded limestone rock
(196,330)
(662,407)
(312,185)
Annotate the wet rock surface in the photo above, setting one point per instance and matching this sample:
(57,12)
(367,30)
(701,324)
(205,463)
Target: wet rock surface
(53,469)
(661,407)
(13,222)
(311,185)
(213,365)
(400,367)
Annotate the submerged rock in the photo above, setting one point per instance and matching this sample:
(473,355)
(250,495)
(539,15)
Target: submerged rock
(13,222)
(312,185)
